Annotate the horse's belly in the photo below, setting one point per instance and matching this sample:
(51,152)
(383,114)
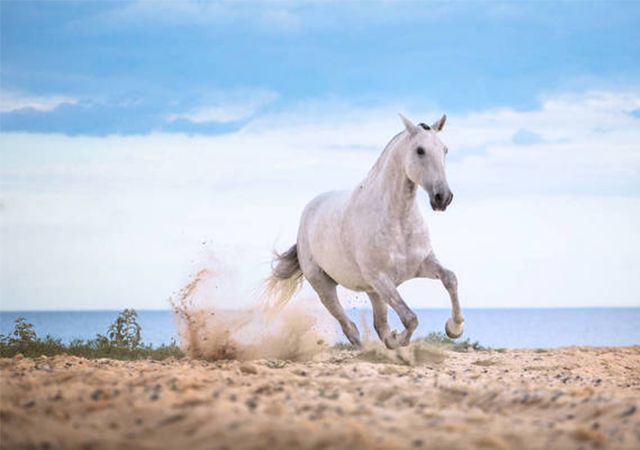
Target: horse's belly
(344,273)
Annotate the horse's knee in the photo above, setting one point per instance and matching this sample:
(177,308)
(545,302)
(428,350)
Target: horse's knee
(449,279)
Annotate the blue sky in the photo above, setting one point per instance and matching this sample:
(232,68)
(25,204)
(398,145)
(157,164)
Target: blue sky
(127,67)
(138,139)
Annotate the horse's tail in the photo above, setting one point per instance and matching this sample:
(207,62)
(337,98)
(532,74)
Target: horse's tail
(285,279)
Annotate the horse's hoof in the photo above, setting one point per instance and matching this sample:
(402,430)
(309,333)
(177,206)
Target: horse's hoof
(454,330)
(404,338)
(392,340)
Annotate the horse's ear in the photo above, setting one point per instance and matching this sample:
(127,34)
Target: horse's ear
(439,125)
(411,128)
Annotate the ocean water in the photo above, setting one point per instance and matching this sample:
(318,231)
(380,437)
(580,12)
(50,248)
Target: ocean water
(514,328)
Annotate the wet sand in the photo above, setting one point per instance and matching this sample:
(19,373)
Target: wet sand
(571,398)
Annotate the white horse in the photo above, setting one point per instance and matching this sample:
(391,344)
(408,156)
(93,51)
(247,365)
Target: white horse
(374,238)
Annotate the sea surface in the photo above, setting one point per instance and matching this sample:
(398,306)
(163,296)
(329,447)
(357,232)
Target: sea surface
(514,328)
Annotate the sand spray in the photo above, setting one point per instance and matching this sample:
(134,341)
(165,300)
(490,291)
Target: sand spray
(211,328)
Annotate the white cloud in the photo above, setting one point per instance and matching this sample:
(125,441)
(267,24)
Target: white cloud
(586,143)
(120,220)
(228,107)
(14,101)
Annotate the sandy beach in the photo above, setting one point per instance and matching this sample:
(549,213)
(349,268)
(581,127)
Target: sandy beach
(528,399)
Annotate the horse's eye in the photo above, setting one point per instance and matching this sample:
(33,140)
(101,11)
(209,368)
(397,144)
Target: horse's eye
(420,151)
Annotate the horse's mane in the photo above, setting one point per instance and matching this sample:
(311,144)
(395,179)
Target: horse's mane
(377,167)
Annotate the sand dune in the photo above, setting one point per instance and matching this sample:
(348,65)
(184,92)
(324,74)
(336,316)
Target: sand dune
(561,398)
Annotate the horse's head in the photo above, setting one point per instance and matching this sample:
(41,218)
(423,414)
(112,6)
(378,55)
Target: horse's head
(424,154)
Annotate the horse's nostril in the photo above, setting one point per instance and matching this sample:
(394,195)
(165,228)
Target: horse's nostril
(438,198)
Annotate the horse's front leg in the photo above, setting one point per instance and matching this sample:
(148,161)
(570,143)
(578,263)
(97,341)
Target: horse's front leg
(380,323)
(431,268)
(387,292)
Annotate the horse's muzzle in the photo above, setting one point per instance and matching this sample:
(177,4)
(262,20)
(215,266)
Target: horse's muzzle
(441,200)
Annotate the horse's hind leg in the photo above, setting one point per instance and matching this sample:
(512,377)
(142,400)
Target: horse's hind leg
(326,289)
(431,268)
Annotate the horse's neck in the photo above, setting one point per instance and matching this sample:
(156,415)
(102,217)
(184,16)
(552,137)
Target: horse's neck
(388,182)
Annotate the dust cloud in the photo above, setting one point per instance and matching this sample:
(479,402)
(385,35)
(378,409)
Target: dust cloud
(211,328)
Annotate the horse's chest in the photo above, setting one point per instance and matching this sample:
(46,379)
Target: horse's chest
(405,252)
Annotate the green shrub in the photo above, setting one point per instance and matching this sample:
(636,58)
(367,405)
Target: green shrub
(125,331)
(24,331)
(123,341)
(439,338)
